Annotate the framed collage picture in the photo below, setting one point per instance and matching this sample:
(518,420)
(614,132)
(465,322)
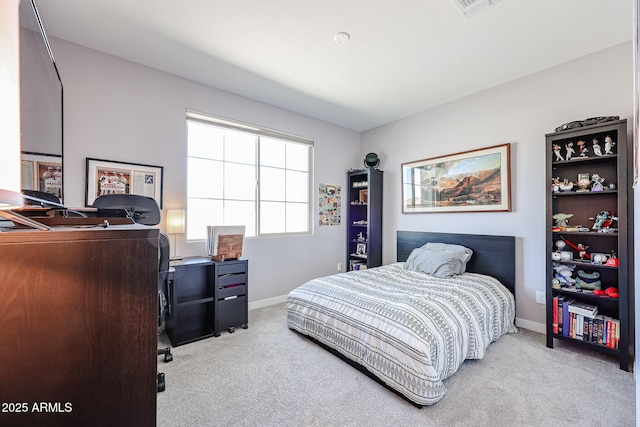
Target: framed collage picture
(114,177)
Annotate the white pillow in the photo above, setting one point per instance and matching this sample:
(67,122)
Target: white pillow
(439,259)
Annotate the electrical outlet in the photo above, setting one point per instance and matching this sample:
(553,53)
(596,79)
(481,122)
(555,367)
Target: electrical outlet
(540,297)
(339,266)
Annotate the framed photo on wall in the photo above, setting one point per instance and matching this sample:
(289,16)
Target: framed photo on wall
(114,177)
(41,172)
(476,180)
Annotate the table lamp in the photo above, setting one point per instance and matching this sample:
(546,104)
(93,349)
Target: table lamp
(175,225)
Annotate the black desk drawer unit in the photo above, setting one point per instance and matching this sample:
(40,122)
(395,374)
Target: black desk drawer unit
(230,296)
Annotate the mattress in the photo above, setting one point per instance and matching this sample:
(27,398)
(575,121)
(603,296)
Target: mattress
(409,329)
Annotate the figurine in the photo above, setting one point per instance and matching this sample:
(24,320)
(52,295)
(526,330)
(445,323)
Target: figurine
(597,182)
(562,219)
(597,150)
(608,145)
(583,182)
(570,150)
(603,221)
(555,184)
(582,149)
(566,185)
(556,151)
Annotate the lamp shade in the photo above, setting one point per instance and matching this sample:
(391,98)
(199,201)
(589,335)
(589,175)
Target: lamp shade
(10,196)
(175,221)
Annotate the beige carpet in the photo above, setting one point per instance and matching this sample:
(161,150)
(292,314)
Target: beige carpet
(268,375)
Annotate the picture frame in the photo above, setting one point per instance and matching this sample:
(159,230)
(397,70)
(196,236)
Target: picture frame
(363,196)
(361,249)
(469,181)
(116,177)
(41,172)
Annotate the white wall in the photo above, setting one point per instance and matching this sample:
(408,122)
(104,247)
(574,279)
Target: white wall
(119,110)
(521,113)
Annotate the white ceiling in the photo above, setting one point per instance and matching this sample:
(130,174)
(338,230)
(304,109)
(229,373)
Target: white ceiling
(404,56)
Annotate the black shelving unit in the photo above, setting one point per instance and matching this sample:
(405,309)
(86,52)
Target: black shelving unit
(191,300)
(364,219)
(613,163)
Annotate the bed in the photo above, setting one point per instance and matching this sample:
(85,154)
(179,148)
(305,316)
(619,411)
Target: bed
(408,329)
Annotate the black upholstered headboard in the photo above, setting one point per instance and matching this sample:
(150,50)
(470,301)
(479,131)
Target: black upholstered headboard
(492,255)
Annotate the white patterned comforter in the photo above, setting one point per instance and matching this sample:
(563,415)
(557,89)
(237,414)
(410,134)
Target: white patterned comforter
(409,329)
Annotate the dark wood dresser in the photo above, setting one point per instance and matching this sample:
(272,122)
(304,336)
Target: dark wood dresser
(78,315)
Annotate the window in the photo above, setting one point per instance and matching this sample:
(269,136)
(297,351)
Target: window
(240,174)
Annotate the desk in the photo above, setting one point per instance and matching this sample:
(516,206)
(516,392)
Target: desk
(79,326)
(205,298)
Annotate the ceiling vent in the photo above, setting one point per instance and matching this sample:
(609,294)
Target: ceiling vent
(471,7)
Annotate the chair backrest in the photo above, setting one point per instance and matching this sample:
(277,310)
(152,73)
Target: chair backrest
(41,195)
(142,209)
(163,259)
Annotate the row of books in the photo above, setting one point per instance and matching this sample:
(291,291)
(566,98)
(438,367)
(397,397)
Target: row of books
(581,321)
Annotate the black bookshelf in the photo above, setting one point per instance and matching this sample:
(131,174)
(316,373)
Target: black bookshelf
(613,162)
(364,219)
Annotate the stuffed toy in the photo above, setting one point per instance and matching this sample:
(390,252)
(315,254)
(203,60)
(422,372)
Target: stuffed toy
(586,280)
(564,274)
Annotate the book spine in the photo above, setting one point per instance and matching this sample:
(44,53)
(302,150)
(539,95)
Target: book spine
(555,315)
(565,318)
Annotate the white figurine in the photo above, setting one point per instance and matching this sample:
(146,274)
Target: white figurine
(597,182)
(582,149)
(608,145)
(570,150)
(556,151)
(596,148)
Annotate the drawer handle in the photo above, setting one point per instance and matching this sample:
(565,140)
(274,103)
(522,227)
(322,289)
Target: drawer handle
(232,297)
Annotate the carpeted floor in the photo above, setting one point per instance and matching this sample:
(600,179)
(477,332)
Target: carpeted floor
(268,375)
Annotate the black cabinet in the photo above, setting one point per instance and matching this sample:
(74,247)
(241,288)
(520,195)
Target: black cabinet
(230,296)
(590,257)
(364,219)
(190,293)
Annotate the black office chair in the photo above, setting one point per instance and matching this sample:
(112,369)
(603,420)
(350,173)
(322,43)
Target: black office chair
(40,198)
(145,210)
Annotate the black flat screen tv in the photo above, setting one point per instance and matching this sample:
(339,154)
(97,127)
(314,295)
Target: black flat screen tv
(41,103)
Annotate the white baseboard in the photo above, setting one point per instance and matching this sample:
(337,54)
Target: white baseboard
(267,302)
(532,326)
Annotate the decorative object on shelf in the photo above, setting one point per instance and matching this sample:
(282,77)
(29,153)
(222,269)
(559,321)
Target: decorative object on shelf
(598,258)
(555,184)
(329,197)
(566,185)
(363,197)
(562,219)
(564,274)
(580,247)
(588,280)
(556,151)
(597,150)
(476,180)
(613,260)
(371,161)
(608,145)
(114,177)
(225,242)
(586,122)
(569,150)
(604,221)
(583,182)
(175,225)
(597,182)
(582,149)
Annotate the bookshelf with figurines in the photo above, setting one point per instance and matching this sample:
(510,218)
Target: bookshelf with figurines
(589,242)
(364,219)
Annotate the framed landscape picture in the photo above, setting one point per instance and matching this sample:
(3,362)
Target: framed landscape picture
(470,181)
